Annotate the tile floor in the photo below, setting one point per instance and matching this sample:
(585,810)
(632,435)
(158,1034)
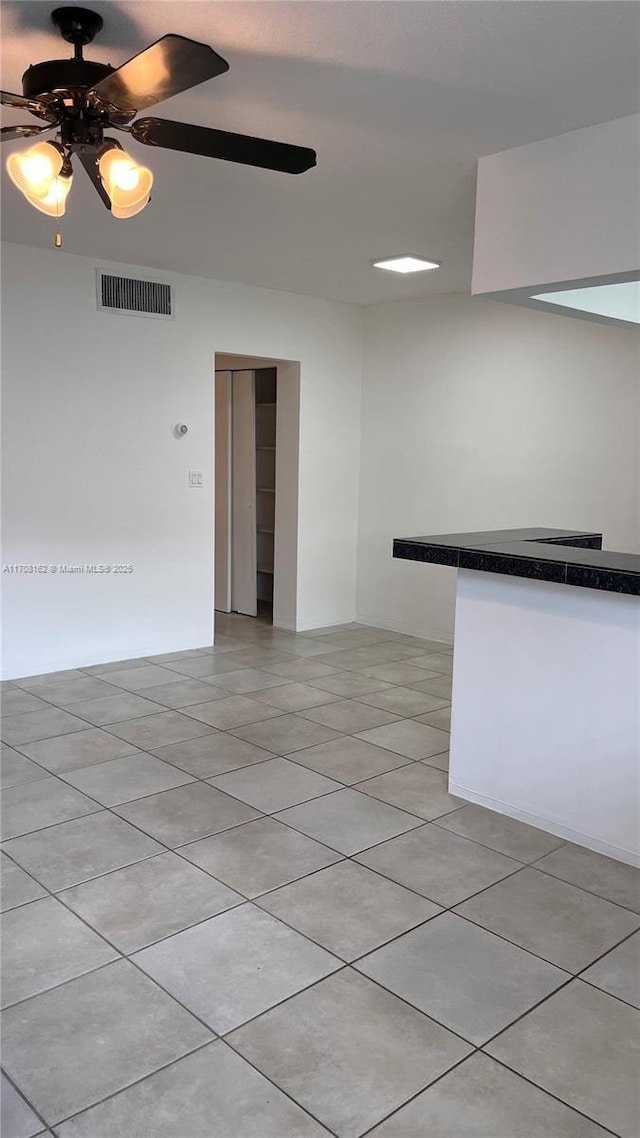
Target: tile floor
(239,902)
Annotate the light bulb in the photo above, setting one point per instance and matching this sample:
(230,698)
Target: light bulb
(124,175)
(33,171)
(127,184)
(53,203)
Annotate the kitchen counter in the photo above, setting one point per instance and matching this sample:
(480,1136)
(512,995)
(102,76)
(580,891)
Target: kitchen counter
(545,721)
(568,557)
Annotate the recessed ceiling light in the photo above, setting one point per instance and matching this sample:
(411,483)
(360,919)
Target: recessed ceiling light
(406,264)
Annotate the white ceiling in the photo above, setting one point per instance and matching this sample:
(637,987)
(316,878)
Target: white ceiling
(399,99)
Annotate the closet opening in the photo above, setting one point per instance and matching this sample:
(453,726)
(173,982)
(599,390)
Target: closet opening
(256,448)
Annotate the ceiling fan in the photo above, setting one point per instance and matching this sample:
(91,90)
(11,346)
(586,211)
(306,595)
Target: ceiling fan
(81,99)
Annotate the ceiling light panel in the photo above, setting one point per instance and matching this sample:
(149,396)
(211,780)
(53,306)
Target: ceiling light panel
(406,264)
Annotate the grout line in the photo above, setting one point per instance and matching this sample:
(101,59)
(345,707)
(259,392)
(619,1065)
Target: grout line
(27,1100)
(562,1102)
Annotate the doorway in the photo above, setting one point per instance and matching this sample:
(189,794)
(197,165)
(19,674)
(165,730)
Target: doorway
(257,404)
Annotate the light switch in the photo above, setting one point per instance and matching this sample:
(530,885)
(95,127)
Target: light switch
(196,478)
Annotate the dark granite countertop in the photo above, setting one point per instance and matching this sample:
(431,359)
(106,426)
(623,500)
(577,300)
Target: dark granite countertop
(568,557)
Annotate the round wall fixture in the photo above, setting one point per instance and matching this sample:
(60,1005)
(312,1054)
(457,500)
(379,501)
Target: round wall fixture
(180,430)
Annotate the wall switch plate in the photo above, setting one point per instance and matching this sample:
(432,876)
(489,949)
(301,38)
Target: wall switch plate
(196,478)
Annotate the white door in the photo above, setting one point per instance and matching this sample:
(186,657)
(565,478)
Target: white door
(222,575)
(243,494)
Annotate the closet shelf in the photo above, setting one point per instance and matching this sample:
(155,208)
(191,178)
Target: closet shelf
(264,569)
(265,490)
(265,448)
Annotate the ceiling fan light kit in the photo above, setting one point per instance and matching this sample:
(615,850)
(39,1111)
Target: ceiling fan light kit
(44,175)
(127,184)
(82,99)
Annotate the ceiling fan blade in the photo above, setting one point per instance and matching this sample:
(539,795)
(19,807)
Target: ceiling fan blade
(89,160)
(26,130)
(44,109)
(221,144)
(170,65)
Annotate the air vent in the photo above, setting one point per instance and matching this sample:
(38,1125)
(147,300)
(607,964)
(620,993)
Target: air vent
(134,297)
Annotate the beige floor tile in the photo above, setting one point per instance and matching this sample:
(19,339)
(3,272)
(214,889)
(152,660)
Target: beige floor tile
(348,909)
(440,762)
(285,734)
(439,865)
(434,685)
(259,856)
(440,719)
(160,730)
(294,697)
(75,851)
(105,1030)
(302,671)
(596,873)
(32,805)
(16,887)
(44,945)
(274,785)
(349,716)
(17,1119)
(506,835)
(482,1099)
(231,711)
(350,685)
(185,814)
(179,693)
(16,701)
(79,749)
(581,1046)
(348,1051)
(434,661)
(233,967)
(416,788)
(110,709)
(247,680)
(16,769)
(142,677)
(65,693)
(399,672)
(348,821)
(465,978)
(407,702)
(212,754)
(137,905)
(408,738)
(19,729)
(618,973)
(557,921)
(212,1092)
(348,759)
(122,780)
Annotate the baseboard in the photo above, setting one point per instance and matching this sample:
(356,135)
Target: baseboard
(552,827)
(311,625)
(415,629)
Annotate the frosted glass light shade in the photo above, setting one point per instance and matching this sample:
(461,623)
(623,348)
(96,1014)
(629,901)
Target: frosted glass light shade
(36,173)
(53,203)
(127,184)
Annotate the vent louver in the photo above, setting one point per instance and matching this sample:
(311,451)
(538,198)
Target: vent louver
(134,297)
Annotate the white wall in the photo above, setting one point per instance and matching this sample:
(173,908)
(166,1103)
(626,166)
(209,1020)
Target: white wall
(92,472)
(478,415)
(564,209)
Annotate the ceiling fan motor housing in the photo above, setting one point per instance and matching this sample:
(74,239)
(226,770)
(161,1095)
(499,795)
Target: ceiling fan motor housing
(62,75)
(78,26)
